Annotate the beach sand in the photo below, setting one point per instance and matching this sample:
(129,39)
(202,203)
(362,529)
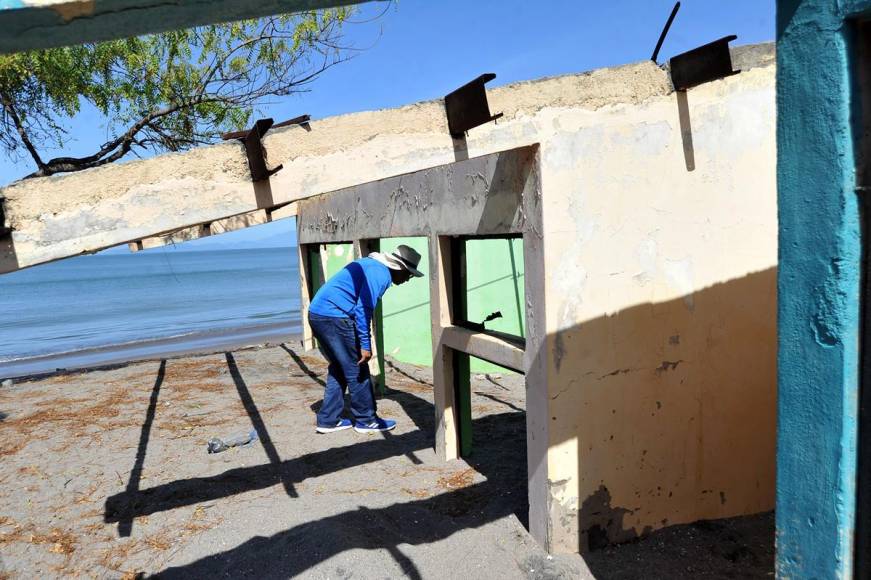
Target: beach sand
(105,474)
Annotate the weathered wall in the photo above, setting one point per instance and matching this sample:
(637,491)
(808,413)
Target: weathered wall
(491,195)
(652,399)
(660,245)
(818,287)
(659,225)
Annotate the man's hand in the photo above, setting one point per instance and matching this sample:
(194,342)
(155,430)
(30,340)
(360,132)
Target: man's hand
(365,355)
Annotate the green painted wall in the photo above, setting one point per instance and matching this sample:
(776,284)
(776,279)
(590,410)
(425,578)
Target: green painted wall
(494,270)
(338,256)
(405,310)
(495,282)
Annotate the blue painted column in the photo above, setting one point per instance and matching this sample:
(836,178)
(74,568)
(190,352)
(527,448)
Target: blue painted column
(818,288)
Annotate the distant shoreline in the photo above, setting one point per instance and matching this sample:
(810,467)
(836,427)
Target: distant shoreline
(150,349)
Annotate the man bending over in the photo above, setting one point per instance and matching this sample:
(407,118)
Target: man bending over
(340,316)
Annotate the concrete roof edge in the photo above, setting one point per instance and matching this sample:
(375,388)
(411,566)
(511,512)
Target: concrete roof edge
(749,56)
(632,83)
(744,57)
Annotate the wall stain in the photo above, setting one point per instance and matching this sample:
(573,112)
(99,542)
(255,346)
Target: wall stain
(667,366)
(617,372)
(559,350)
(601,524)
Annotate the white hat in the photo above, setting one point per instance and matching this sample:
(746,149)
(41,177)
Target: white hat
(402,258)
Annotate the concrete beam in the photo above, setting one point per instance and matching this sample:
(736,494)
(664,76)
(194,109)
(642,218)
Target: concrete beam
(214,228)
(363,248)
(283,212)
(61,216)
(481,196)
(485,346)
(306,276)
(217,227)
(35,24)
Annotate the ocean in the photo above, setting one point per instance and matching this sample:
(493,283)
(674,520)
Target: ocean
(114,307)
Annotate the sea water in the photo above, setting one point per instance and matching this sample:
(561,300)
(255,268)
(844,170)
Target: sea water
(108,308)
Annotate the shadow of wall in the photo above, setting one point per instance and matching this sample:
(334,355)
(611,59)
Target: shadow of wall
(663,413)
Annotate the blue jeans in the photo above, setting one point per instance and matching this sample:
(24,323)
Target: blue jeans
(338,342)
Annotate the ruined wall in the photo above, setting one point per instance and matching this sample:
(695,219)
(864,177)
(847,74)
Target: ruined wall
(649,275)
(661,250)
(660,253)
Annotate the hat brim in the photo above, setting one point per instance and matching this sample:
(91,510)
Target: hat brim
(400,264)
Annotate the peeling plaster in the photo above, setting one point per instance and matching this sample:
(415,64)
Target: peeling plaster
(647,256)
(667,366)
(829,307)
(680,275)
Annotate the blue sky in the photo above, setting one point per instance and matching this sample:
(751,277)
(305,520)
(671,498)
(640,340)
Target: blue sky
(422,49)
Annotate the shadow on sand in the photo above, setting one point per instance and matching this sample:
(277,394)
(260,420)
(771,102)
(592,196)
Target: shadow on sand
(499,456)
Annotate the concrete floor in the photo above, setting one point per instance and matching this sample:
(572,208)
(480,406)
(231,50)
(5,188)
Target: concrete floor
(105,474)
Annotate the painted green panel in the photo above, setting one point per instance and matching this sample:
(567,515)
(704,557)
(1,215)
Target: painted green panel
(495,281)
(405,310)
(463,396)
(317,280)
(494,278)
(338,256)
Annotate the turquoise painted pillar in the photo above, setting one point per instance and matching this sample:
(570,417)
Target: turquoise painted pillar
(818,288)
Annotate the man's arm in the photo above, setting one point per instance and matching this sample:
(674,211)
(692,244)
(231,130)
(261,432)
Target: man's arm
(376,285)
(363,320)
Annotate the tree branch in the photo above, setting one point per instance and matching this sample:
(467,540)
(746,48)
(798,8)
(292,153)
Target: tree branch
(19,127)
(113,150)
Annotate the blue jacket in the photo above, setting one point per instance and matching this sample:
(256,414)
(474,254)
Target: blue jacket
(353,293)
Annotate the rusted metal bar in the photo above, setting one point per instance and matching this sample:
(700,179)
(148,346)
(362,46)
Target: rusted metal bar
(467,106)
(301,120)
(254,149)
(703,64)
(664,32)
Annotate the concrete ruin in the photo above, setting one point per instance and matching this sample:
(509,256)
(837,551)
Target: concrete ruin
(649,228)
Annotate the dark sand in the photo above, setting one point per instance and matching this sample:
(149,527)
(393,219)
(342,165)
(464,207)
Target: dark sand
(105,474)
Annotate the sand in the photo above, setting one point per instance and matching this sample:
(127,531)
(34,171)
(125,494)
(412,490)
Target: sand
(105,474)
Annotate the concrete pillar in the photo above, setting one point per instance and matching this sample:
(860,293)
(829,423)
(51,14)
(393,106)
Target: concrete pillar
(305,295)
(440,268)
(310,272)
